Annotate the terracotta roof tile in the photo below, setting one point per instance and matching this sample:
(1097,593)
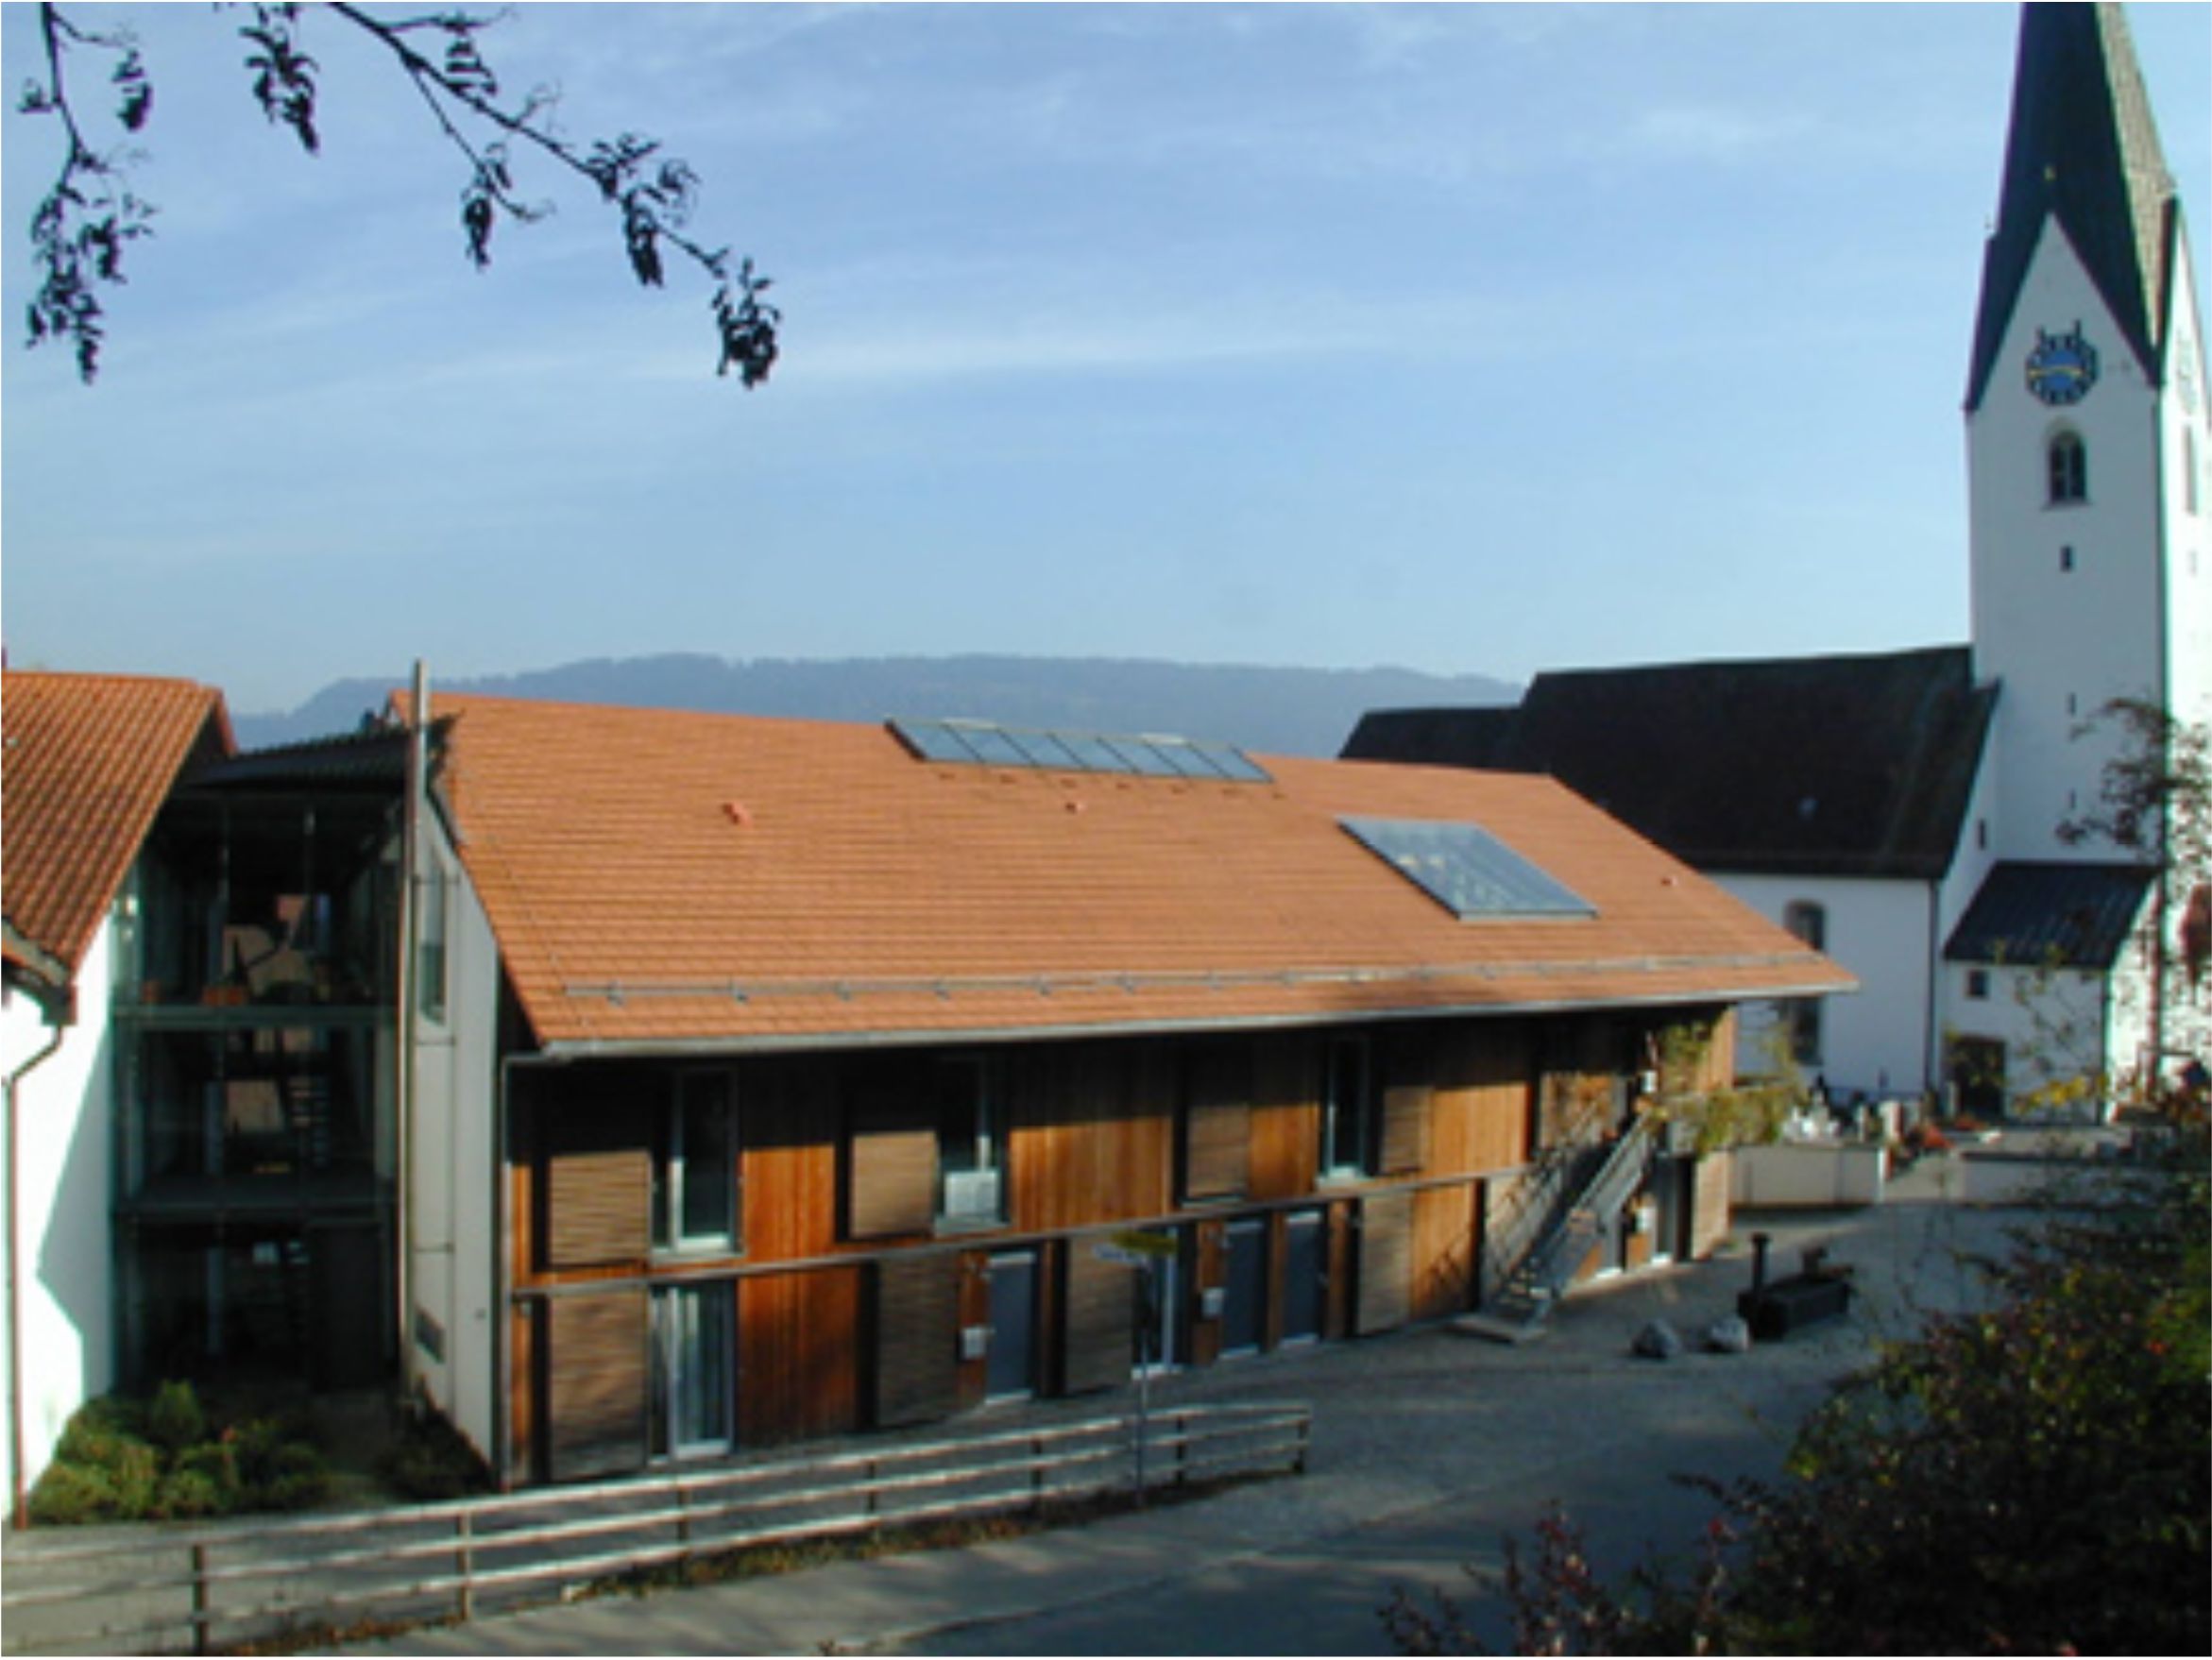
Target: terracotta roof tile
(89,759)
(666,877)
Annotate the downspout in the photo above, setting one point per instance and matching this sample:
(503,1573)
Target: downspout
(403,1044)
(63,1008)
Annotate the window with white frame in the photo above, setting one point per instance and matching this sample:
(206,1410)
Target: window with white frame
(1346,1108)
(429,940)
(971,1141)
(695,1176)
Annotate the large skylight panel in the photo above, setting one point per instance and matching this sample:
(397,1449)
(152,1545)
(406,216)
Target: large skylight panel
(1467,870)
(984,743)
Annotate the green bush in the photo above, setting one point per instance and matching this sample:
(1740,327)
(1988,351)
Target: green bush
(120,1460)
(71,1495)
(174,1420)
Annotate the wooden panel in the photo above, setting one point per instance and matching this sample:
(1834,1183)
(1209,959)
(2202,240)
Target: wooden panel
(1710,1215)
(894,1168)
(596,1381)
(1386,1262)
(917,1339)
(798,1355)
(1443,1251)
(1099,1319)
(1217,1126)
(1403,1147)
(1217,1149)
(598,1190)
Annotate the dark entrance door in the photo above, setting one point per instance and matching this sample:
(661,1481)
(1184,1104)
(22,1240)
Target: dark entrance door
(1305,1268)
(1244,1310)
(1011,1370)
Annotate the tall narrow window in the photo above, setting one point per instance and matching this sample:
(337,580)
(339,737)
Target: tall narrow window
(695,1176)
(971,1153)
(1347,1088)
(429,942)
(2069,461)
(1801,1015)
(693,1399)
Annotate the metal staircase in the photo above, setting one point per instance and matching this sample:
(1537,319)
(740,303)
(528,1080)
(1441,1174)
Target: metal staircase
(1580,1193)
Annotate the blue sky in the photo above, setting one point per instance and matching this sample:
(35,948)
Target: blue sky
(1469,338)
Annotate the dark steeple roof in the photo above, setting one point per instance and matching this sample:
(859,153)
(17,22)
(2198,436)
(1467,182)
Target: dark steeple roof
(1856,766)
(2082,149)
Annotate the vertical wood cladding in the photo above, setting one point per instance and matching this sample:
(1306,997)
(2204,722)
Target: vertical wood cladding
(1099,1319)
(917,1338)
(799,1355)
(838,1156)
(1092,1132)
(596,1381)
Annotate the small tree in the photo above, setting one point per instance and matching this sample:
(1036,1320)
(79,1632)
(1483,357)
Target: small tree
(85,222)
(2154,805)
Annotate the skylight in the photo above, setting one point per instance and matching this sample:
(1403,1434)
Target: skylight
(1466,870)
(985,744)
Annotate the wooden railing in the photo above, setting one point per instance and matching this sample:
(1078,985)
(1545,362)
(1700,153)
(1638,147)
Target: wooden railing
(168,1589)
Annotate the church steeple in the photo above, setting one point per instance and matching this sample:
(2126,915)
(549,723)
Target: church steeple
(2083,151)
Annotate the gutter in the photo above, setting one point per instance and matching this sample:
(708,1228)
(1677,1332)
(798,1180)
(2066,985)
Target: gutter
(565,1050)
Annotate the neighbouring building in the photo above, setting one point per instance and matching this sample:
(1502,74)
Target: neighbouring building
(1904,812)
(89,762)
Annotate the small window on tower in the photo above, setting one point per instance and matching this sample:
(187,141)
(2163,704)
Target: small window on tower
(2065,558)
(2069,459)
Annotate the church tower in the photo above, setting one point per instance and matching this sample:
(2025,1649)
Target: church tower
(2088,458)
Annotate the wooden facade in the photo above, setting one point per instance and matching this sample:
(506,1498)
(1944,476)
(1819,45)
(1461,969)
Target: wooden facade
(890,1237)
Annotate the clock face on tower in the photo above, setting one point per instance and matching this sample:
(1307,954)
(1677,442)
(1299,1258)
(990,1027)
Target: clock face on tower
(2062,367)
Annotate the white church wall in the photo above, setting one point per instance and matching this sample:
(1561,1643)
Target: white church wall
(2056,1025)
(2187,479)
(1874,1041)
(2066,600)
(64,1115)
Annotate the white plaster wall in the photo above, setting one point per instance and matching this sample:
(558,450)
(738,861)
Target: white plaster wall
(1874,1041)
(2054,1024)
(63,1234)
(2187,435)
(2063,642)
(456,1191)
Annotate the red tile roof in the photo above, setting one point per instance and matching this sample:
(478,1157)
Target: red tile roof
(88,761)
(665,878)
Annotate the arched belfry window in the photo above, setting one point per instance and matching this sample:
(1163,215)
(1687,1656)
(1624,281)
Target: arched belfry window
(2067,459)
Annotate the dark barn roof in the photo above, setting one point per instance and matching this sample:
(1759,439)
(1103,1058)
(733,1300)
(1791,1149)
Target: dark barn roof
(1844,766)
(2050,915)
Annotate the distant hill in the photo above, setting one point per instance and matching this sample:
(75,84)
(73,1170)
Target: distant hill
(1274,711)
